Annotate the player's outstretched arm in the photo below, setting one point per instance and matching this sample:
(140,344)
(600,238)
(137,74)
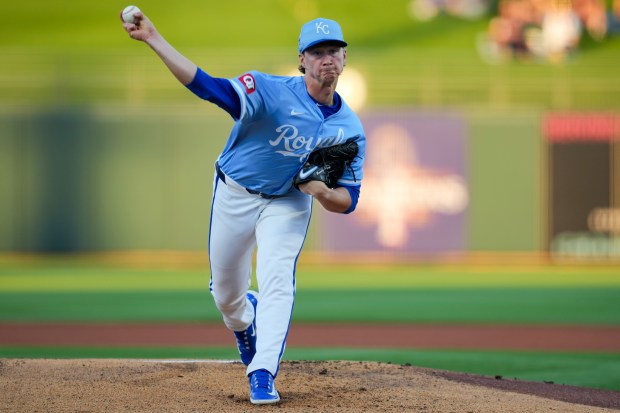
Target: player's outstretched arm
(143,30)
(333,200)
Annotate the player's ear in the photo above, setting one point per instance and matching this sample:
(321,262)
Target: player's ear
(302,60)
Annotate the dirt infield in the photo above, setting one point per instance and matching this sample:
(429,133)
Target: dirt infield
(192,386)
(195,386)
(553,338)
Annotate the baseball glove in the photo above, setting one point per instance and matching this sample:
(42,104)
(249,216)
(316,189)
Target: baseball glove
(328,164)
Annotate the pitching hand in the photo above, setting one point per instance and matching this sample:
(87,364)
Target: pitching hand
(142,29)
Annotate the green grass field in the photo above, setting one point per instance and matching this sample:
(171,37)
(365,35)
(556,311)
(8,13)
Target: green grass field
(66,291)
(598,306)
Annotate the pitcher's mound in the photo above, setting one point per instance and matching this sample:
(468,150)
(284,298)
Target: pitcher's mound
(305,386)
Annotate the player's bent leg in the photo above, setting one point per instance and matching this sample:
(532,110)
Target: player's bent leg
(246,339)
(239,315)
(231,245)
(236,314)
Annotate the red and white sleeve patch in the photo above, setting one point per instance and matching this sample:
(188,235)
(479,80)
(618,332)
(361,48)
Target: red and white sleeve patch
(248,81)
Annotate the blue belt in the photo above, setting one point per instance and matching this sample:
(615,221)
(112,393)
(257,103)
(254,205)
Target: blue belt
(222,178)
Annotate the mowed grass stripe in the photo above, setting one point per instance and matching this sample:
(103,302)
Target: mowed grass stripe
(92,279)
(568,306)
(68,279)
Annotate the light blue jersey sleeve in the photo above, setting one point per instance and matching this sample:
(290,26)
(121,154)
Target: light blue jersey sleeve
(254,103)
(353,175)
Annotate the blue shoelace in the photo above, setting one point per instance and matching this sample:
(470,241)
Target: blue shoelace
(262,379)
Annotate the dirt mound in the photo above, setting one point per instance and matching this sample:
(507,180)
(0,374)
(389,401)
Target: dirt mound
(305,386)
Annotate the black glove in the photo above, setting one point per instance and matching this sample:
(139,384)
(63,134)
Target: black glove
(328,164)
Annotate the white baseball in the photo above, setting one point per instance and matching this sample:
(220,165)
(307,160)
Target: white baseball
(128,13)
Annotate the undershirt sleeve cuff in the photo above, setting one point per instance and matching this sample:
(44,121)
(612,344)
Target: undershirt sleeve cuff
(354,192)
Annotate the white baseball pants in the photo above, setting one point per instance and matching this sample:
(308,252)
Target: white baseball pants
(241,222)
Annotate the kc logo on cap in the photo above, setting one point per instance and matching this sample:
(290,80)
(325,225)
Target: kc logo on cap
(318,31)
(322,26)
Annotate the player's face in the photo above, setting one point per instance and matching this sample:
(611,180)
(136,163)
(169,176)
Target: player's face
(324,62)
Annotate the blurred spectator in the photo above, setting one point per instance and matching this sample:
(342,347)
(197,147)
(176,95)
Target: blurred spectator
(549,29)
(592,14)
(507,29)
(560,30)
(427,9)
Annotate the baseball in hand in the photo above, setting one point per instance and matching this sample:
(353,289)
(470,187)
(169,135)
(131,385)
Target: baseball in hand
(128,13)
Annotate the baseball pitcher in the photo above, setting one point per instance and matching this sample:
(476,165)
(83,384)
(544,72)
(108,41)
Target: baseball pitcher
(294,139)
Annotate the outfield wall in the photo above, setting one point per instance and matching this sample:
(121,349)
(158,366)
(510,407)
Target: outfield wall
(84,179)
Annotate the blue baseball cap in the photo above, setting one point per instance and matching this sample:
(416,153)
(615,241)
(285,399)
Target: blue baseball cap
(318,31)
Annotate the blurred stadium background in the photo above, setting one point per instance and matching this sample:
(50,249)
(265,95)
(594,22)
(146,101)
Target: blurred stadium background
(490,148)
